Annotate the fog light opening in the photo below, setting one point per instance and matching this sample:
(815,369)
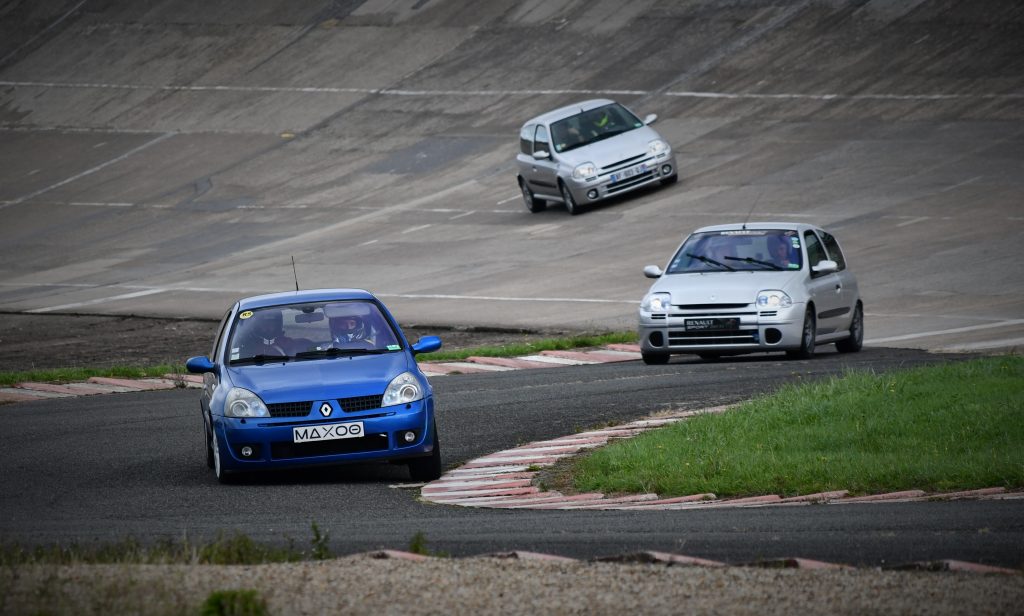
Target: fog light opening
(772,335)
(409,436)
(246,452)
(592,193)
(666,170)
(656,339)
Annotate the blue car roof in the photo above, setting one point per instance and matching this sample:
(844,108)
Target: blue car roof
(295,297)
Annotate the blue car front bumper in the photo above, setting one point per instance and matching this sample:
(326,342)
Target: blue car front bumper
(265,443)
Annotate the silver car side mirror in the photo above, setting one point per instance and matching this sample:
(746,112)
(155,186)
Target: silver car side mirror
(650,118)
(825,267)
(653,271)
(541,154)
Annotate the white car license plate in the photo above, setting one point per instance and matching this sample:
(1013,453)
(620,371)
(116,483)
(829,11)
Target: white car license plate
(628,173)
(327,432)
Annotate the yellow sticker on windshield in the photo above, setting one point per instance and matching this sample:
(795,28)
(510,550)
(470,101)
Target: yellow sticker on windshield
(245,315)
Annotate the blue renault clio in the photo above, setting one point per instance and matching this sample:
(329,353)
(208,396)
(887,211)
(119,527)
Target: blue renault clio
(312,378)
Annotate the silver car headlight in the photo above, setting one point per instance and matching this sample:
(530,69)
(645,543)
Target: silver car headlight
(584,171)
(773,298)
(656,302)
(657,147)
(243,403)
(403,389)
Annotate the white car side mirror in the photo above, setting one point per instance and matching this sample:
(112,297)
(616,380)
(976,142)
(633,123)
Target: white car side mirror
(650,118)
(825,267)
(653,271)
(541,154)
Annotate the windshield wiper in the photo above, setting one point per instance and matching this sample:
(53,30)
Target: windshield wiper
(774,266)
(710,261)
(335,352)
(261,359)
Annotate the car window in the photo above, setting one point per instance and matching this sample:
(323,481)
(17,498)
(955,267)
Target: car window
(757,250)
(540,140)
(593,125)
(526,139)
(815,251)
(834,252)
(297,329)
(220,334)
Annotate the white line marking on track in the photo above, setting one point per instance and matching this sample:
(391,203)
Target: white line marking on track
(504,201)
(100,300)
(462,215)
(914,221)
(98,167)
(462,93)
(940,332)
(983,346)
(414,229)
(492,298)
(44,31)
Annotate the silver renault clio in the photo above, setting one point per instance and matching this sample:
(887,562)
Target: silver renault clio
(753,287)
(587,152)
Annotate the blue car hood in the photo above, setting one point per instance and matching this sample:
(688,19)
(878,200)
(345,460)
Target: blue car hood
(321,379)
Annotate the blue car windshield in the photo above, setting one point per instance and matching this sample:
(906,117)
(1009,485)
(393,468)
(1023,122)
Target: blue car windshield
(739,250)
(304,331)
(591,126)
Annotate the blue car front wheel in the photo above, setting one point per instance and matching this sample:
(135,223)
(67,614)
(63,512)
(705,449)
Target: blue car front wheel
(428,468)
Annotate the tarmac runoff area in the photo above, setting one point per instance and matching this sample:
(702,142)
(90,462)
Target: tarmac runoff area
(504,480)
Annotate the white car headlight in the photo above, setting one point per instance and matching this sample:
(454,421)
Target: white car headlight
(773,299)
(243,403)
(657,147)
(403,389)
(584,171)
(656,302)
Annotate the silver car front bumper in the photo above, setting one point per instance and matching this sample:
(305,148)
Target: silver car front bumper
(726,331)
(622,177)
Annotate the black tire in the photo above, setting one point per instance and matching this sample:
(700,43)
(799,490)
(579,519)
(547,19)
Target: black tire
(807,338)
(532,202)
(672,179)
(856,340)
(570,203)
(428,468)
(655,359)
(222,475)
(209,446)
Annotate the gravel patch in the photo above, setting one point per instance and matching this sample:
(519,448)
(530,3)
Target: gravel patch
(365,585)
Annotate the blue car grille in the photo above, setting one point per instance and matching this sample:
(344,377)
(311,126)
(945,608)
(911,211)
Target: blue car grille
(290,409)
(371,442)
(349,405)
(360,403)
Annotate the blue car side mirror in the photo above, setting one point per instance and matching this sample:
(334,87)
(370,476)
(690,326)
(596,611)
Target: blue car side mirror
(426,344)
(199,365)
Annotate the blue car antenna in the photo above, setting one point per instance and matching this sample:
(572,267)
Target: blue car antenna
(296,274)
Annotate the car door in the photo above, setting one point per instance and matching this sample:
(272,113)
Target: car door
(826,290)
(847,280)
(544,171)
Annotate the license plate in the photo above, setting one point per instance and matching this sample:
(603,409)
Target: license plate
(628,173)
(708,325)
(327,432)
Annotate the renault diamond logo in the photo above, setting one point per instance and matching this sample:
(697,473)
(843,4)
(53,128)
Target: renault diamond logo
(325,409)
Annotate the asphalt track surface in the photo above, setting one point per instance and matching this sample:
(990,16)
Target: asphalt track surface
(105,468)
(163,159)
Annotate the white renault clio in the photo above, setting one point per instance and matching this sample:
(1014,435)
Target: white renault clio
(587,152)
(747,288)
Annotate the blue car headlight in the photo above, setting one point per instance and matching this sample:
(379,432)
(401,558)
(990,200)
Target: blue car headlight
(403,389)
(243,403)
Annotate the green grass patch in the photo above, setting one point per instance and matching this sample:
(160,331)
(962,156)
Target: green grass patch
(71,375)
(946,427)
(532,348)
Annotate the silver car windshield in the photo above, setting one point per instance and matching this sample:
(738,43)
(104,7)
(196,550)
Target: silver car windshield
(592,126)
(304,331)
(741,250)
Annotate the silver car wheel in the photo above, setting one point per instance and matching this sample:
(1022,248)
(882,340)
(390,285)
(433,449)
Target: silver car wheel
(856,340)
(570,203)
(532,202)
(807,338)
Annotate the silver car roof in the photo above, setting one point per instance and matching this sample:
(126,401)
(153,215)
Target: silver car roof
(568,111)
(791,226)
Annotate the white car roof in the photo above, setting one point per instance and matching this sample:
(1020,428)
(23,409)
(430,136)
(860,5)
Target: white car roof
(568,111)
(792,226)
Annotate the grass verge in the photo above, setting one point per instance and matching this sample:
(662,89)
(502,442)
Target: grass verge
(71,375)
(531,348)
(938,428)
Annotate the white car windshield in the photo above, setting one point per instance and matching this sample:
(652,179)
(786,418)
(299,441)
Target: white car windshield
(303,331)
(591,126)
(739,250)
